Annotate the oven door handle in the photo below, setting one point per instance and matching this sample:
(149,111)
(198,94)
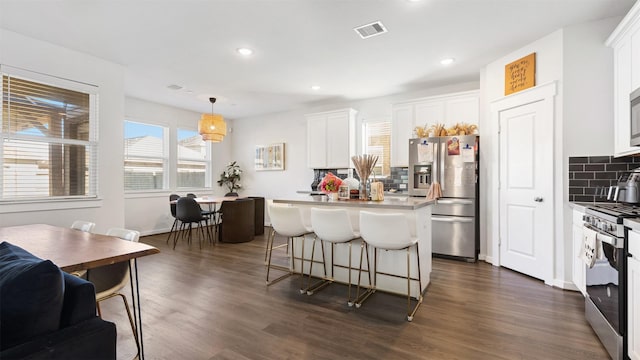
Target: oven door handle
(605,238)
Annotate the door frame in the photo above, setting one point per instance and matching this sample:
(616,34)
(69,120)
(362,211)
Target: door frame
(545,94)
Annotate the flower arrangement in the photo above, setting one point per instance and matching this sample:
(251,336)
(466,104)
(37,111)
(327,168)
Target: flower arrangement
(230,177)
(330,183)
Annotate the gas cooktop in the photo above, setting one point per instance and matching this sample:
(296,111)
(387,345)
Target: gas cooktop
(620,210)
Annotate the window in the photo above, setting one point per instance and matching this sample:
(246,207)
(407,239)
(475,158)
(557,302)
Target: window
(376,140)
(194,163)
(48,146)
(145,157)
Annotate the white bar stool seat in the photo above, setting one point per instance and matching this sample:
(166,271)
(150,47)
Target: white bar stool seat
(389,232)
(285,221)
(333,226)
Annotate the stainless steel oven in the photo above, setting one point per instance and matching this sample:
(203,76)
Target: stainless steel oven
(605,303)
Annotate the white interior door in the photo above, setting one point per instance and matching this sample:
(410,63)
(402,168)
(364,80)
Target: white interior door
(526,189)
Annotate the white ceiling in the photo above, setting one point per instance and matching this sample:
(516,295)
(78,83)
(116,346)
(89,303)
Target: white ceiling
(296,43)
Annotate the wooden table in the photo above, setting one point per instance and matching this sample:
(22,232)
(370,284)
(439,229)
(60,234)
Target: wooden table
(73,250)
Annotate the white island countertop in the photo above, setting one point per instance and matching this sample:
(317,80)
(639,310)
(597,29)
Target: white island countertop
(392,266)
(390,202)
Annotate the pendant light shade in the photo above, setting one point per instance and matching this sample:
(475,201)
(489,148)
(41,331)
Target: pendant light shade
(212,126)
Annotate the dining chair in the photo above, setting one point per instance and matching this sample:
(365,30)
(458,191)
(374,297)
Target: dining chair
(172,206)
(389,232)
(188,212)
(82,225)
(109,280)
(86,226)
(211,213)
(238,221)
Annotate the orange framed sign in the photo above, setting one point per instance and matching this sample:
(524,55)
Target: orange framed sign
(520,74)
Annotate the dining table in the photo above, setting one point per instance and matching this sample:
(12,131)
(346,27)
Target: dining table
(72,250)
(212,203)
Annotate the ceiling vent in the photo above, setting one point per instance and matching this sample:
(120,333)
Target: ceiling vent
(175,87)
(369,30)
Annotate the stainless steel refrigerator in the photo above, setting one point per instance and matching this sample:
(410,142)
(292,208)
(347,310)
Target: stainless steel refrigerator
(452,161)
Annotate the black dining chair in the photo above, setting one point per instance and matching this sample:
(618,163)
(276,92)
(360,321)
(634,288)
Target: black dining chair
(210,212)
(188,212)
(176,222)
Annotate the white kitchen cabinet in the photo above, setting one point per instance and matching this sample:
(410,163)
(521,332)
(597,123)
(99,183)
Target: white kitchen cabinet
(579,267)
(625,41)
(331,139)
(633,296)
(401,129)
(448,109)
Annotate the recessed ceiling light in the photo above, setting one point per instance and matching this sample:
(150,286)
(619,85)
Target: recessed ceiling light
(244,51)
(315,87)
(447,61)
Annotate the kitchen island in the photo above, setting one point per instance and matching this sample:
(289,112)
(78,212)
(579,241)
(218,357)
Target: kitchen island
(417,211)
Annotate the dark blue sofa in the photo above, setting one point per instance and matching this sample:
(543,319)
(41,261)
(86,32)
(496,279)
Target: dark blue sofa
(48,314)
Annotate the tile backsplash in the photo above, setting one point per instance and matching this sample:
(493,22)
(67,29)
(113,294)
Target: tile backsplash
(398,180)
(589,176)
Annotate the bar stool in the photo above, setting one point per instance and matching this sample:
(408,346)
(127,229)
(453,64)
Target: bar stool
(333,226)
(389,232)
(285,221)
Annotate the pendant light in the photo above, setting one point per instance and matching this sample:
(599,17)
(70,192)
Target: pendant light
(212,126)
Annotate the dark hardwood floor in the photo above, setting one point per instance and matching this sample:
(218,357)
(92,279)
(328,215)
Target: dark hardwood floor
(213,304)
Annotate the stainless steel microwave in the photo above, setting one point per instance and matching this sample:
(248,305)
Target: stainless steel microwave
(635,117)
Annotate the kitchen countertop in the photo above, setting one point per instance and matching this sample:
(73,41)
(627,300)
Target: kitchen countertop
(633,224)
(388,193)
(391,202)
(580,206)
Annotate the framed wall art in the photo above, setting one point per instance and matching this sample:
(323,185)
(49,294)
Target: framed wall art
(269,157)
(520,74)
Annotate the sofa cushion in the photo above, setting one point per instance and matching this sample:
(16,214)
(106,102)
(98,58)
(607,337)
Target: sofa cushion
(79,301)
(31,294)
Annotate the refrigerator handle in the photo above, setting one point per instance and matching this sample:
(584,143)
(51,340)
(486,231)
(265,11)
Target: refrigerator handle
(451,219)
(442,149)
(455,202)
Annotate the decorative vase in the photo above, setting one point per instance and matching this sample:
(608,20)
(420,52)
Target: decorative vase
(364,189)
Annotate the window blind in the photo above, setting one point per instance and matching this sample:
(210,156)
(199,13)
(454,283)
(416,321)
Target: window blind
(193,163)
(145,156)
(377,141)
(48,147)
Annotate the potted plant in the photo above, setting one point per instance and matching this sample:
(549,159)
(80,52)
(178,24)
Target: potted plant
(230,178)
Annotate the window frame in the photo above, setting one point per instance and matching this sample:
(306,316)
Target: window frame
(91,144)
(208,162)
(166,158)
(363,129)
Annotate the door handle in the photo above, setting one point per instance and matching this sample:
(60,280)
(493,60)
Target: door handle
(537,199)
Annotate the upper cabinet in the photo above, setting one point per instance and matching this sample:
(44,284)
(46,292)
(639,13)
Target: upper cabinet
(625,41)
(449,109)
(331,139)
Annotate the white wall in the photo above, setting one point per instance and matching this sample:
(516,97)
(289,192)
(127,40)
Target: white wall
(588,107)
(34,55)
(578,60)
(149,212)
